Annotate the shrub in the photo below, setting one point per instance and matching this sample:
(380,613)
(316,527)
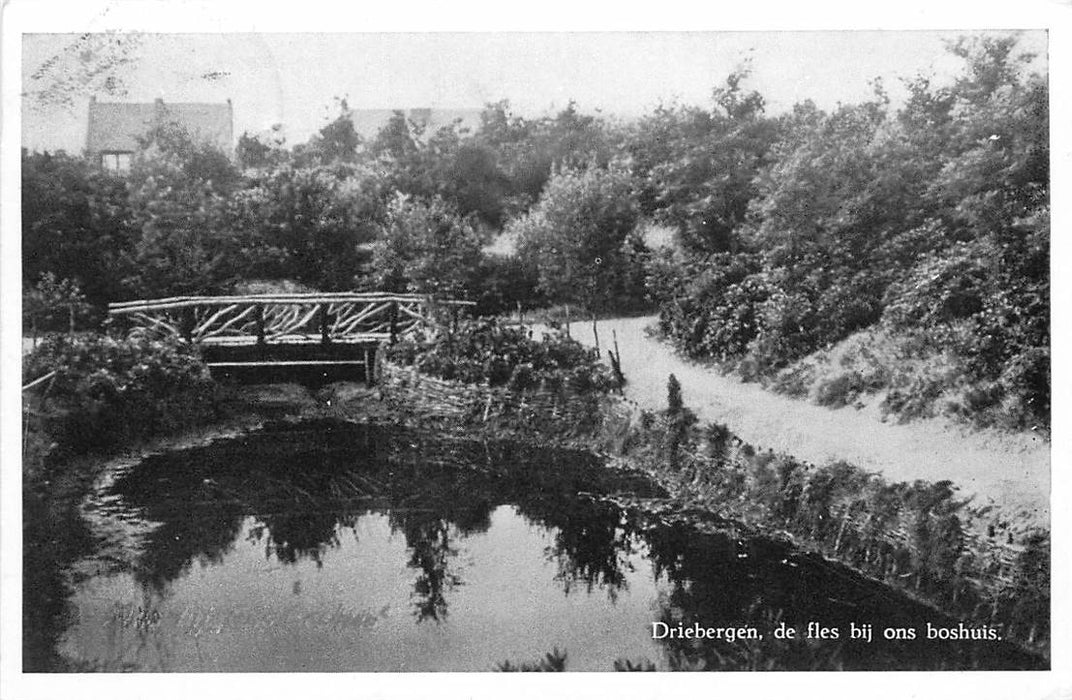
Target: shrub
(485,351)
(106,391)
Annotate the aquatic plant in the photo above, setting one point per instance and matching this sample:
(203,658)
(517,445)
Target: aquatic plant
(553,661)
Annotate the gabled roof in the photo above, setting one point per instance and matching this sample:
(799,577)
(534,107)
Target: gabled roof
(116,126)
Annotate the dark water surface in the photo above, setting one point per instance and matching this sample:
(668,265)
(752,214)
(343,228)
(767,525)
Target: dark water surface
(339,547)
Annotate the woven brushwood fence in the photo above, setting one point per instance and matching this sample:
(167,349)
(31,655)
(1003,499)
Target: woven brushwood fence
(448,403)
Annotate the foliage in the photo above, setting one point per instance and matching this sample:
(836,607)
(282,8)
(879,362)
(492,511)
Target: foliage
(577,237)
(931,219)
(75,225)
(107,391)
(310,224)
(679,422)
(710,307)
(179,191)
(53,304)
(696,168)
(427,248)
(793,232)
(261,150)
(552,661)
(504,282)
(530,150)
(485,351)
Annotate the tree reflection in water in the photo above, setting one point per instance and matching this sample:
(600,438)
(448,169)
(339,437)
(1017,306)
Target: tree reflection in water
(305,494)
(306,487)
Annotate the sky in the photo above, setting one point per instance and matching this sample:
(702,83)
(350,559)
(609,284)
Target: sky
(295,79)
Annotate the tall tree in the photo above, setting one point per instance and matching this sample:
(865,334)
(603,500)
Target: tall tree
(577,237)
(426,247)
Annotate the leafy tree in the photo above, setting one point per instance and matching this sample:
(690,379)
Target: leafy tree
(337,142)
(179,192)
(397,139)
(426,247)
(261,151)
(697,168)
(529,150)
(309,224)
(503,282)
(576,238)
(474,182)
(53,303)
(932,218)
(75,225)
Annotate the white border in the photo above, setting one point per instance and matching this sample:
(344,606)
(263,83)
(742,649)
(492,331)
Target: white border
(26,16)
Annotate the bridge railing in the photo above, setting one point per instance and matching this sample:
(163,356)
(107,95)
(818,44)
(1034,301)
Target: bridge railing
(263,319)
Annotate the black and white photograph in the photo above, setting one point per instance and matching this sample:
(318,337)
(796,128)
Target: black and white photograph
(408,349)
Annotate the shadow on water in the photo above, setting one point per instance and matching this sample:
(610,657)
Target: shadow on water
(466,536)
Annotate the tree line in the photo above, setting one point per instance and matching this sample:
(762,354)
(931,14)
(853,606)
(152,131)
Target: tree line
(928,217)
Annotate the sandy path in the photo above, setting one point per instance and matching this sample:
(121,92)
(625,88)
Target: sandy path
(1012,471)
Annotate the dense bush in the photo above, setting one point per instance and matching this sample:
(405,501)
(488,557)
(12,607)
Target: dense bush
(579,239)
(502,283)
(928,219)
(487,352)
(426,247)
(76,225)
(106,391)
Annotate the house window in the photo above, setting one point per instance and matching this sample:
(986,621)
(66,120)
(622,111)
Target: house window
(116,162)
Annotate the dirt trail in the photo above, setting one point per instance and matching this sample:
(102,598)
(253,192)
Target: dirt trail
(1011,471)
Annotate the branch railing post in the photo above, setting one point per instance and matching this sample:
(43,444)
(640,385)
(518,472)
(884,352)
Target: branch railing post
(325,337)
(187,324)
(259,318)
(394,321)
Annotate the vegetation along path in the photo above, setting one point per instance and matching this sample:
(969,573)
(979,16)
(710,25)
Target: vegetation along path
(1012,471)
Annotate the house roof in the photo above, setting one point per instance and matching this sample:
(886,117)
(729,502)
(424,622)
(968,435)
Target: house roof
(116,126)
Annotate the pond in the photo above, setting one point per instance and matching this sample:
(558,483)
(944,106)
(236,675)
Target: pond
(334,546)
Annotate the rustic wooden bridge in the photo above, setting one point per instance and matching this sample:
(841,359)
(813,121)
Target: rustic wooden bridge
(324,331)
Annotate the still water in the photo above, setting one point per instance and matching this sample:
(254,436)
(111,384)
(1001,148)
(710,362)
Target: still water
(332,546)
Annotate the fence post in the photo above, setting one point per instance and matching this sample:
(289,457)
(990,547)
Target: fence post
(595,334)
(394,321)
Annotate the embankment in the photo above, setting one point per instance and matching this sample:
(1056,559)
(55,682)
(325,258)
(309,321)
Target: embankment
(1010,471)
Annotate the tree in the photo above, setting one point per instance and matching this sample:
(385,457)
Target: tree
(576,235)
(179,200)
(310,224)
(261,150)
(53,303)
(426,247)
(696,168)
(337,142)
(76,225)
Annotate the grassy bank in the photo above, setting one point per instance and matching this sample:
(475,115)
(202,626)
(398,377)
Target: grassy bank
(909,379)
